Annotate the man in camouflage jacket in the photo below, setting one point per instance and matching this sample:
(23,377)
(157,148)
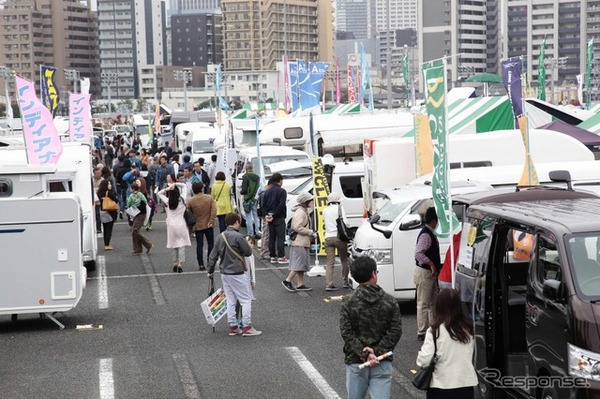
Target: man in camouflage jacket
(371,326)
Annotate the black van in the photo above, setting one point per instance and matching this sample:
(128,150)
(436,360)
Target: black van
(529,275)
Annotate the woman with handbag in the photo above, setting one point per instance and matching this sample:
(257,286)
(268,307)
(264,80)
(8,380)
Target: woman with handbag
(178,235)
(108,211)
(453,344)
(221,193)
(299,249)
(333,215)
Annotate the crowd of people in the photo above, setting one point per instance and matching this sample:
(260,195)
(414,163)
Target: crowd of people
(143,182)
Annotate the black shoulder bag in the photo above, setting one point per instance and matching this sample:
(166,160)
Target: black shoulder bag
(344,233)
(422,379)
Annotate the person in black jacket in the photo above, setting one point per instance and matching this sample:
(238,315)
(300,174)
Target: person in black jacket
(274,209)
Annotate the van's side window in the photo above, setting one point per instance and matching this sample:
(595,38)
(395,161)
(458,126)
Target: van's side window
(421,208)
(548,262)
(351,187)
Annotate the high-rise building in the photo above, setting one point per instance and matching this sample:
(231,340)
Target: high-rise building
(258,33)
(566,26)
(58,33)
(194,6)
(132,37)
(456,29)
(402,14)
(196,39)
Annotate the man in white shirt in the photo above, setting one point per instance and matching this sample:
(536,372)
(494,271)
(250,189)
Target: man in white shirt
(332,242)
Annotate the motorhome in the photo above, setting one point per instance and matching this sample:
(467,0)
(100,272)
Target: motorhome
(392,163)
(41,245)
(529,275)
(244,132)
(73,174)
(185,131)
(339,135)
(390,235)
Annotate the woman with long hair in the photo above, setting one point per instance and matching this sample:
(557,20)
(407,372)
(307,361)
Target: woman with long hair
(454,375)
(178,235)
(221,193)
(107,217)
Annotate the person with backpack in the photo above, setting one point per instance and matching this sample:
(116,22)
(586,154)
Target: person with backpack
(250,186)
(331,213)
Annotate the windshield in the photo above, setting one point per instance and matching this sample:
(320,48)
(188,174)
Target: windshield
(583,250)
(289,173)
(390,211)
(200,147)
(305,186)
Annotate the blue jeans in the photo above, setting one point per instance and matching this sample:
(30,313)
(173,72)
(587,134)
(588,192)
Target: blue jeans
(377,380)
(252,222)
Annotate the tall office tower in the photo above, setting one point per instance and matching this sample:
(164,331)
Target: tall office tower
(456,29)
(258,33)
(354,19)
(132,37)
(180,6)
(196,39)
(566,25)
(402,14)
(58,33)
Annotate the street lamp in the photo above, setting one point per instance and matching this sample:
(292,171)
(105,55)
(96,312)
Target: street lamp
(72,74)
(184,75)
(559,63)
(108,78)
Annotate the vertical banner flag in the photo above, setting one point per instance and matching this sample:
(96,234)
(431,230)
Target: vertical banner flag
(541,92)
(320,193)
(405,73)
(261,167)
(338,96)
(49,92)
(371,104)
(363,73)
(423,145)
(286,86)
(529,176)
(434,75)
(156,122)
(85,85)
(351,89)
(41,138)
(293,76)
(304,88)
(511,76)
(310,85)
(588,74)
(80,122)
(580,89)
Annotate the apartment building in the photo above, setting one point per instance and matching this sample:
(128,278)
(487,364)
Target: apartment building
(58,33)
(196,39)
(258,33)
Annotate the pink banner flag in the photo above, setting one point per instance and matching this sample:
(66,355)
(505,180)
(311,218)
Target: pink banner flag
(337,83)
(41,138)
(80,123)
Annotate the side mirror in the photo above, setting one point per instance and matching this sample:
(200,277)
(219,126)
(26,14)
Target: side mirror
(374,219)
(552,290)
(410,222)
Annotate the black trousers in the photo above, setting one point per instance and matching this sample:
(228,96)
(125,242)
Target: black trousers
(277,238)
(107,233)
(457,393)
(210,240)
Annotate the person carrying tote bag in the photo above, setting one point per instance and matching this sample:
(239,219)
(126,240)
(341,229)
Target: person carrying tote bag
(454,375)
(221,193)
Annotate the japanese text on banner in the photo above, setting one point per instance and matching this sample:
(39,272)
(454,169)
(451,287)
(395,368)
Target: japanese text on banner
(80,123)
(320,193)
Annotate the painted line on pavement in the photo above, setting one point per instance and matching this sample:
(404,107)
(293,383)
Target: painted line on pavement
(399,378)
(102,288)
(190,388)
(259,269)
(159,297)
(107,383)
(313,374)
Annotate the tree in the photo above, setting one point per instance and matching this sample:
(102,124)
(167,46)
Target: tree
(142,105)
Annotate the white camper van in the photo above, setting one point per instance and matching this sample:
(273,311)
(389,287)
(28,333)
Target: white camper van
(40,244)
(185,131)
(390,235)
(73,174)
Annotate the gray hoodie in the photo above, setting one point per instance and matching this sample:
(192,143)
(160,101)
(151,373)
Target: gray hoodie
(230,263)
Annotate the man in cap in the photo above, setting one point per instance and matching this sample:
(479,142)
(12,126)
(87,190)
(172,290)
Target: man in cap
(331,213)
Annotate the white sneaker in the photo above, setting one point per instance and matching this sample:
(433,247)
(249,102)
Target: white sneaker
(250,331)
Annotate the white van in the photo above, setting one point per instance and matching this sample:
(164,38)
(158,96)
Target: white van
(185,131)
(294,165)
(391,234)
(202,142)
(73,174)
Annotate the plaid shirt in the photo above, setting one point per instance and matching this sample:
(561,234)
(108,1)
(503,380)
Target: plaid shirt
(423,244)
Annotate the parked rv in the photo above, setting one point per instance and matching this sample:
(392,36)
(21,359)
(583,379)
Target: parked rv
(184,132)
(529,274)
(73,174)
(390,235)
(40,248)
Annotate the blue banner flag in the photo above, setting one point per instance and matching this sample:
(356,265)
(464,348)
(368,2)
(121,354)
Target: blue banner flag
(311,90)
(293,76)
(511,75)
(304,88)
(48,89)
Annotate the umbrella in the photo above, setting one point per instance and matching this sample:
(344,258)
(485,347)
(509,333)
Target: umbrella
(484,78)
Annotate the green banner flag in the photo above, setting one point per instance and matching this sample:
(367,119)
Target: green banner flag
(405,73)
(588,74)
(434,75)
(541,91)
